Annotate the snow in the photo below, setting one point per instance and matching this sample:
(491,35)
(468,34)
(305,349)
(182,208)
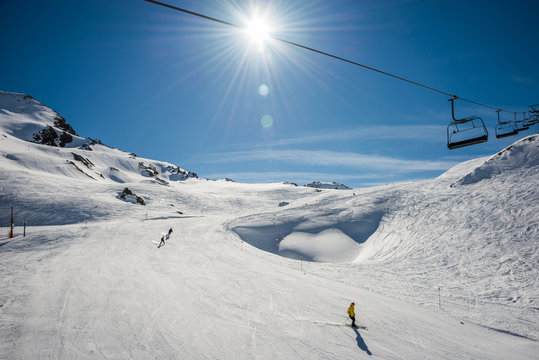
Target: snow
(522,156)
(439,269)
(330,245)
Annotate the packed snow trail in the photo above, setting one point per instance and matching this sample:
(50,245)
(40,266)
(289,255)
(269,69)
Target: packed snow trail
(101,291)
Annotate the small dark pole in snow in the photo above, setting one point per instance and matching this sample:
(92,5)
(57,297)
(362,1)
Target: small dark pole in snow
(11,224)
(301,262)
(24,232)
(146,215)
(439,299)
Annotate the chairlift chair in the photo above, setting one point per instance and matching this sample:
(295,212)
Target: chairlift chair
(505,128)
(534,115)
(520,125)
(465,132)
(531,120)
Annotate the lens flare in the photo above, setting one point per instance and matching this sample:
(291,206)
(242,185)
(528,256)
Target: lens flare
(266,121)
(263,90)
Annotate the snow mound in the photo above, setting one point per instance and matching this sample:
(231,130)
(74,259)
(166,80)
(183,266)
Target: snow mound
(330,245)
(460,170)
(521,156)
(332,239)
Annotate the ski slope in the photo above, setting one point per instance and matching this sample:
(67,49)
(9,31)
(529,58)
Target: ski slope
(244,278)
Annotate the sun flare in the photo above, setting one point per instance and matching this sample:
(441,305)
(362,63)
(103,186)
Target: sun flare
(258,30)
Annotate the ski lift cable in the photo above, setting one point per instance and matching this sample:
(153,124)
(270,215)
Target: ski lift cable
(454,97)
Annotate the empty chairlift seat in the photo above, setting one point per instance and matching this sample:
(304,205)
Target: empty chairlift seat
(521,125)
(465,132)
(505,128)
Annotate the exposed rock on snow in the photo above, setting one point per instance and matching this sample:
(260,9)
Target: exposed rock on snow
(177,173)
(49,136)
(327,185)
(83,160)
(62,124)
(147,170)
(129,196)
(79,169)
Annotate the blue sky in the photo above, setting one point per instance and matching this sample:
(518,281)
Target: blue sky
(169,86)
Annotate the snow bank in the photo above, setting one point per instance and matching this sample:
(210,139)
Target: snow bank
(522,155)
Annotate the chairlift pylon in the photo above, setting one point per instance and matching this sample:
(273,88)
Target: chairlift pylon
(505,128)
(466,131)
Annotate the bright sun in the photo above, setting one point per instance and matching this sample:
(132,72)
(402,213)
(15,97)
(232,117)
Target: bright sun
(258,30)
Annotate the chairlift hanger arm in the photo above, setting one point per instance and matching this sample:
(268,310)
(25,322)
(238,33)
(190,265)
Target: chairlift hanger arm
(452,100)
(499,121)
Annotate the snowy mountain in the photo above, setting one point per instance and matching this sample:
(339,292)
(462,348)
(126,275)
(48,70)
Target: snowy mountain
(439,269)
(23,119)
(27,119)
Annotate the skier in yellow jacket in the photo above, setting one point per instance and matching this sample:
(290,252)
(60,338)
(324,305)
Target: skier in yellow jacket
(352,314)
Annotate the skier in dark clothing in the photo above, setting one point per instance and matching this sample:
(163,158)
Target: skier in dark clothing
(162,241)
(169,233)
(352,314)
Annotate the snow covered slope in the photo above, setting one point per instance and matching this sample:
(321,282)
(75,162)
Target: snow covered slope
(46,169)
(441,269)
(521,157)
(26,118)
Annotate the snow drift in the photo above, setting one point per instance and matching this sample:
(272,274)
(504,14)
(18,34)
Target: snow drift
(523,156)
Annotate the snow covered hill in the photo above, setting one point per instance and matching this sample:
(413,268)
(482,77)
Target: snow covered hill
(521,157)
(25,121)
(440,269)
